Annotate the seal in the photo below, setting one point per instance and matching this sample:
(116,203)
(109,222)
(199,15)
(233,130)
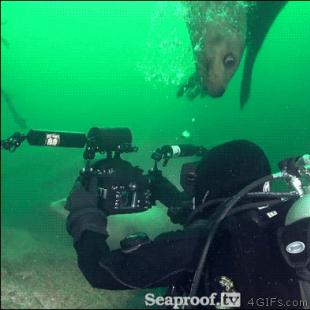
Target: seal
(220,32)
(6,98)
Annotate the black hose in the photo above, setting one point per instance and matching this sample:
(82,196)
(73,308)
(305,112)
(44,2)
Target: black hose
(273,195)
(254,205)
(259,195)
(224,208)
(202,207)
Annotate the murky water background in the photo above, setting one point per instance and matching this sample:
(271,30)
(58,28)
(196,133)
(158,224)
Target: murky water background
(75,65)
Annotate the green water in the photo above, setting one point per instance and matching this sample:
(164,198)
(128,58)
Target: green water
(74,65)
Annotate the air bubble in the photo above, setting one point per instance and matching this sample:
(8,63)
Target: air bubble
(186,134)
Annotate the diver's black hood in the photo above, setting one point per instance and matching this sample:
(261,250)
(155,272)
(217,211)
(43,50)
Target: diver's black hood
(229,167)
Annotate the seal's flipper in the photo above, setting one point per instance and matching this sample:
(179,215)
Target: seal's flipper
(5,42)
(17,118)
(191,89)
(260,19)
(247,77)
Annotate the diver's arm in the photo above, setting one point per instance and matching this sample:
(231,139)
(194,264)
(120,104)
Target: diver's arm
(163,262)
(163,190)
(117,270)
(179,203)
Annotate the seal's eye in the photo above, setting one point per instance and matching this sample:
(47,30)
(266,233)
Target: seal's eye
(229,61)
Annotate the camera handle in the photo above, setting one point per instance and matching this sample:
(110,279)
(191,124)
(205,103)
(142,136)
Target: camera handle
(13,142)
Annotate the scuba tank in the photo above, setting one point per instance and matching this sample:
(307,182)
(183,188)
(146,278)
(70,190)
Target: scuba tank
(294,241)
(299,210)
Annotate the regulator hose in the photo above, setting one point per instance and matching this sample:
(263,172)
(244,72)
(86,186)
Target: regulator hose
(219,215)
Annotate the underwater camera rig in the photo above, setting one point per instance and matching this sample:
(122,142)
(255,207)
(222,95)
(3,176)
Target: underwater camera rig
(122,188)
(114,141)
(113,170)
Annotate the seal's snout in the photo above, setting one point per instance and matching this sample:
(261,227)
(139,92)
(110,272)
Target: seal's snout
(213,79)
(217,92)
(213,89)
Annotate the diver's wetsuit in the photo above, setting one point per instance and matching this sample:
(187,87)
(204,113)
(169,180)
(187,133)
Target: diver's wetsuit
(245,250)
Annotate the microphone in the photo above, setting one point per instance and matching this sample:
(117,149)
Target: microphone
(56,138)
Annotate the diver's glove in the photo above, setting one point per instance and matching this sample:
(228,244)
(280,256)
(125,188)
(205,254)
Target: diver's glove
(180,212)
(179,203)
(163,190)
(84,213)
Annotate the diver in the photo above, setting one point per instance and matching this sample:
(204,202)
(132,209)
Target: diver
(249,254)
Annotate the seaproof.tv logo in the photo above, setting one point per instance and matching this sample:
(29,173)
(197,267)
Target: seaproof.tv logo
(225,300)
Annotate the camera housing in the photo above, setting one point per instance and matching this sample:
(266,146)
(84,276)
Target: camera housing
(122,188)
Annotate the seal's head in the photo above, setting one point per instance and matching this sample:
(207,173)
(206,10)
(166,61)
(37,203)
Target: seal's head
(218,60)
(218,33)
